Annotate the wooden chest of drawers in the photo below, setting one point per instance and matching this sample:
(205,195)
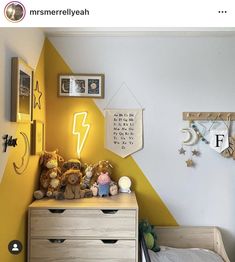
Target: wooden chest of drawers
(91,229)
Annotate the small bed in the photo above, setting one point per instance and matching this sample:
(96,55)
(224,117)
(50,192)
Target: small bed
(187,238)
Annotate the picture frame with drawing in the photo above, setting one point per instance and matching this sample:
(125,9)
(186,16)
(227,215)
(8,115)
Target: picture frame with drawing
(81,85)
(21,90)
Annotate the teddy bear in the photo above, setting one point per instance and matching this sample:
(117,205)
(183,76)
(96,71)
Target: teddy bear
(71,179)
(49,162)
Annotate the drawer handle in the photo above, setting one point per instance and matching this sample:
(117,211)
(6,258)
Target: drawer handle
(109,241)
(57,211)
(109,211)
(56,241)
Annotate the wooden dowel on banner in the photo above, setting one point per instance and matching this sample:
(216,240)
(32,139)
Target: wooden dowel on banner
(210,116)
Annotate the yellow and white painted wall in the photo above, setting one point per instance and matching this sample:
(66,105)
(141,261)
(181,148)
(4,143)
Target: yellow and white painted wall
(16,190)
(168,74)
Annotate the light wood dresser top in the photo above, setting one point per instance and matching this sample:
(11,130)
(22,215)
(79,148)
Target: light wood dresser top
(120,201)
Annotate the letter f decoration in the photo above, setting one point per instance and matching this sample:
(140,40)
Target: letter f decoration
(80,129)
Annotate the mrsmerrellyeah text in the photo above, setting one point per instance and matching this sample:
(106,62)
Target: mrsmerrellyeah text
(68,11)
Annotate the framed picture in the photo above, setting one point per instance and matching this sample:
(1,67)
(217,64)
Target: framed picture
(81,85)
(37,137)
(21,90)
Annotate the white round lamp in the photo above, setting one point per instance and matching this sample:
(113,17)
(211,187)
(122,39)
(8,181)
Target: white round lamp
(124,184)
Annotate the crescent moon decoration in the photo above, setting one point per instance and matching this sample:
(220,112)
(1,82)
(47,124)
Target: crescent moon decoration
(192,136)
(25,158)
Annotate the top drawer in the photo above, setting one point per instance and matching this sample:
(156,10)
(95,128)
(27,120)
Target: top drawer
(72,223)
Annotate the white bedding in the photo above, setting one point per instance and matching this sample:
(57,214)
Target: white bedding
(168,254)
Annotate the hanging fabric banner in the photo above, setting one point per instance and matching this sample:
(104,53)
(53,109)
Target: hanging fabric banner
(219,139)
(124,134)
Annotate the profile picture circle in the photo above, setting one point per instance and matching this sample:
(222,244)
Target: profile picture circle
(14,11)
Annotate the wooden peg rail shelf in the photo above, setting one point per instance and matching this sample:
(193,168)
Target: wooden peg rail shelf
(210,116)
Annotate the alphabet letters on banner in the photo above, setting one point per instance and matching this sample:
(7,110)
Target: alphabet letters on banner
(124,134)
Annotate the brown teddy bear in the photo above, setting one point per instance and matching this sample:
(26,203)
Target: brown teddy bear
(71,179)
(49,162)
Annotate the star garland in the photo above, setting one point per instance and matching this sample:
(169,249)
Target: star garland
(190,163)
(182,151)
(192,153)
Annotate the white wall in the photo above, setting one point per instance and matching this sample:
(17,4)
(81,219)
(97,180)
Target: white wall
(169,75)
(17,42)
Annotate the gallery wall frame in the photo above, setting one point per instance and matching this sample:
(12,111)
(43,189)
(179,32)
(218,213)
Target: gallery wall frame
(37,137)
(81,85)
(21,90)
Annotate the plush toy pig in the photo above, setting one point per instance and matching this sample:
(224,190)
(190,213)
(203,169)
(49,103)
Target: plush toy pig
(103,182)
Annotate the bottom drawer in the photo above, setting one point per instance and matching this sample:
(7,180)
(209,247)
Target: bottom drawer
(43,250)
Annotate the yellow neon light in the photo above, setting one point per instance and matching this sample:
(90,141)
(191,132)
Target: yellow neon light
(76,130)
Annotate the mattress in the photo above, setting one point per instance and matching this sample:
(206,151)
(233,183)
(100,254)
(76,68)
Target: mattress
(168,254)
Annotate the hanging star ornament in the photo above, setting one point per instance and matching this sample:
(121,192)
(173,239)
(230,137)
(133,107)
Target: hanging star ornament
(195,152)
(189,163)
(37,96)
(182,151)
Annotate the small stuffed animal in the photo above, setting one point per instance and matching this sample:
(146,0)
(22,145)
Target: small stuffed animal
(87,178)
(94,189)
(72,178)
(103,171)
(54,177)
(113,188)
(103,182)
(150,235)
(48,161)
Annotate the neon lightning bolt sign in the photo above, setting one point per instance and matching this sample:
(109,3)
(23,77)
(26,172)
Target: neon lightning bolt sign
(78,126)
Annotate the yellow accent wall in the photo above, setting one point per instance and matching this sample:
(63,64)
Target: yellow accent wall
(16,191)
(59,124)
